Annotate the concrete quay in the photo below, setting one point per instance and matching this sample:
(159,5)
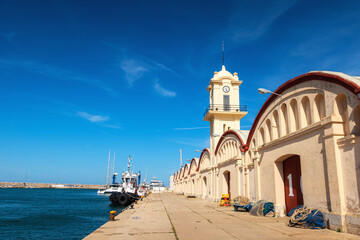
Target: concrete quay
(171,216)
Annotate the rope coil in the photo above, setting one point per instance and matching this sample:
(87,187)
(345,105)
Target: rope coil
(303,217)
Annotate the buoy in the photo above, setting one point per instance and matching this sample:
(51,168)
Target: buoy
(112,216)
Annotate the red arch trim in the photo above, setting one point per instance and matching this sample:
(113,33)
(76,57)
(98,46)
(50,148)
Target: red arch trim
(202,153)
(192,160)
(227,133)
(351,86)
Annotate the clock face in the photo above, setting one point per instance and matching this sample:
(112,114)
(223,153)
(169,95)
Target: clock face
(226,89)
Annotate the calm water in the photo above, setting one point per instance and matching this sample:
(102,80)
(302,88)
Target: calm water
(52,213)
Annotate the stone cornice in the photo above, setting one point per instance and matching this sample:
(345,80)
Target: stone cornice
(348,140)
(204,170)
(227,162)
(311,128)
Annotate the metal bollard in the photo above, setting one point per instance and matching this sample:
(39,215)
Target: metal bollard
(112,216)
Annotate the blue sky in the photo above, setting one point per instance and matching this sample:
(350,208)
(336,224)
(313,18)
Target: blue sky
(81,77)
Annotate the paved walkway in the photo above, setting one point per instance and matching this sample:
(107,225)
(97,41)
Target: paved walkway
(170,216)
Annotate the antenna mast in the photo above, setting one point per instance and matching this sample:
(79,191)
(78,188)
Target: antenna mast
(129,164)
(223,58)
(180,158)
(145,176)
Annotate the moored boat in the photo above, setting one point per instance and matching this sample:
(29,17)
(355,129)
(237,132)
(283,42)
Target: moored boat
(129,187)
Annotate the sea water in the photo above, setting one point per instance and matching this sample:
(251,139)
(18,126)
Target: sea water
(52,213)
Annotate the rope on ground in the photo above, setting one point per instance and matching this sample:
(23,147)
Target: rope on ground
(303,217)
(262,208)
(242,200)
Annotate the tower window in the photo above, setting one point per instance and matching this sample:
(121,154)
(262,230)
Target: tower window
(226,103)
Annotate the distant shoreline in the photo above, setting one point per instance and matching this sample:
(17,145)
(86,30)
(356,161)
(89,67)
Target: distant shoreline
(49,185)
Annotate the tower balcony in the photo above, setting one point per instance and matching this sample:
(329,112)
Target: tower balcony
(222,109)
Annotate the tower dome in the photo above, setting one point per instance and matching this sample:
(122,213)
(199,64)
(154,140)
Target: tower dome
(224,74)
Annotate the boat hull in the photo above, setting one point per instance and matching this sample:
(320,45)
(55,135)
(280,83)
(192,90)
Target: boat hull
(123,199)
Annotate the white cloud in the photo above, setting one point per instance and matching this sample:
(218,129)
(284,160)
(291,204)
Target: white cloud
(194,142)
(93,118)
(113,126)
(191,128)
(163,92)
(54,72)
(250,26)
(136,65)
(134,70)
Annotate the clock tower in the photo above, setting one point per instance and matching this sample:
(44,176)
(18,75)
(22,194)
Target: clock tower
(224,112)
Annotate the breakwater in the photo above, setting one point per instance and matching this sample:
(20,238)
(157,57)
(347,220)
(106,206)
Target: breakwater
(48,185)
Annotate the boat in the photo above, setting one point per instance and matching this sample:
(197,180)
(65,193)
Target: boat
(156,185)
(129,185)
(113,187)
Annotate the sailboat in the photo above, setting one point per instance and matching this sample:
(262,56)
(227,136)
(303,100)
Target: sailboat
(113,187)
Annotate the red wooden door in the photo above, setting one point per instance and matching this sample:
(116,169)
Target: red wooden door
(292,180)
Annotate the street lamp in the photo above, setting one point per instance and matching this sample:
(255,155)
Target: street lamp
(266,91)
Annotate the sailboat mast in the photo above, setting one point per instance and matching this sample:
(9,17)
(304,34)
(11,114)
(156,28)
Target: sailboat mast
(108,169)
(113,170)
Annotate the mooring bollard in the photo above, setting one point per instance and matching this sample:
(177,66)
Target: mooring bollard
(136,201)
(112,216)
(132,206)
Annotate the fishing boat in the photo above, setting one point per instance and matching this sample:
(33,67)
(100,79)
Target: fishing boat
(129,185)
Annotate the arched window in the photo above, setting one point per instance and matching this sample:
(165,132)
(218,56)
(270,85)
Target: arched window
(262,136)
(319,107)
(294,117)
(305,112)
(234,149)
(268,132)
(340,108)
(284,120)
(276,125)
(357,121)
(227,150)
